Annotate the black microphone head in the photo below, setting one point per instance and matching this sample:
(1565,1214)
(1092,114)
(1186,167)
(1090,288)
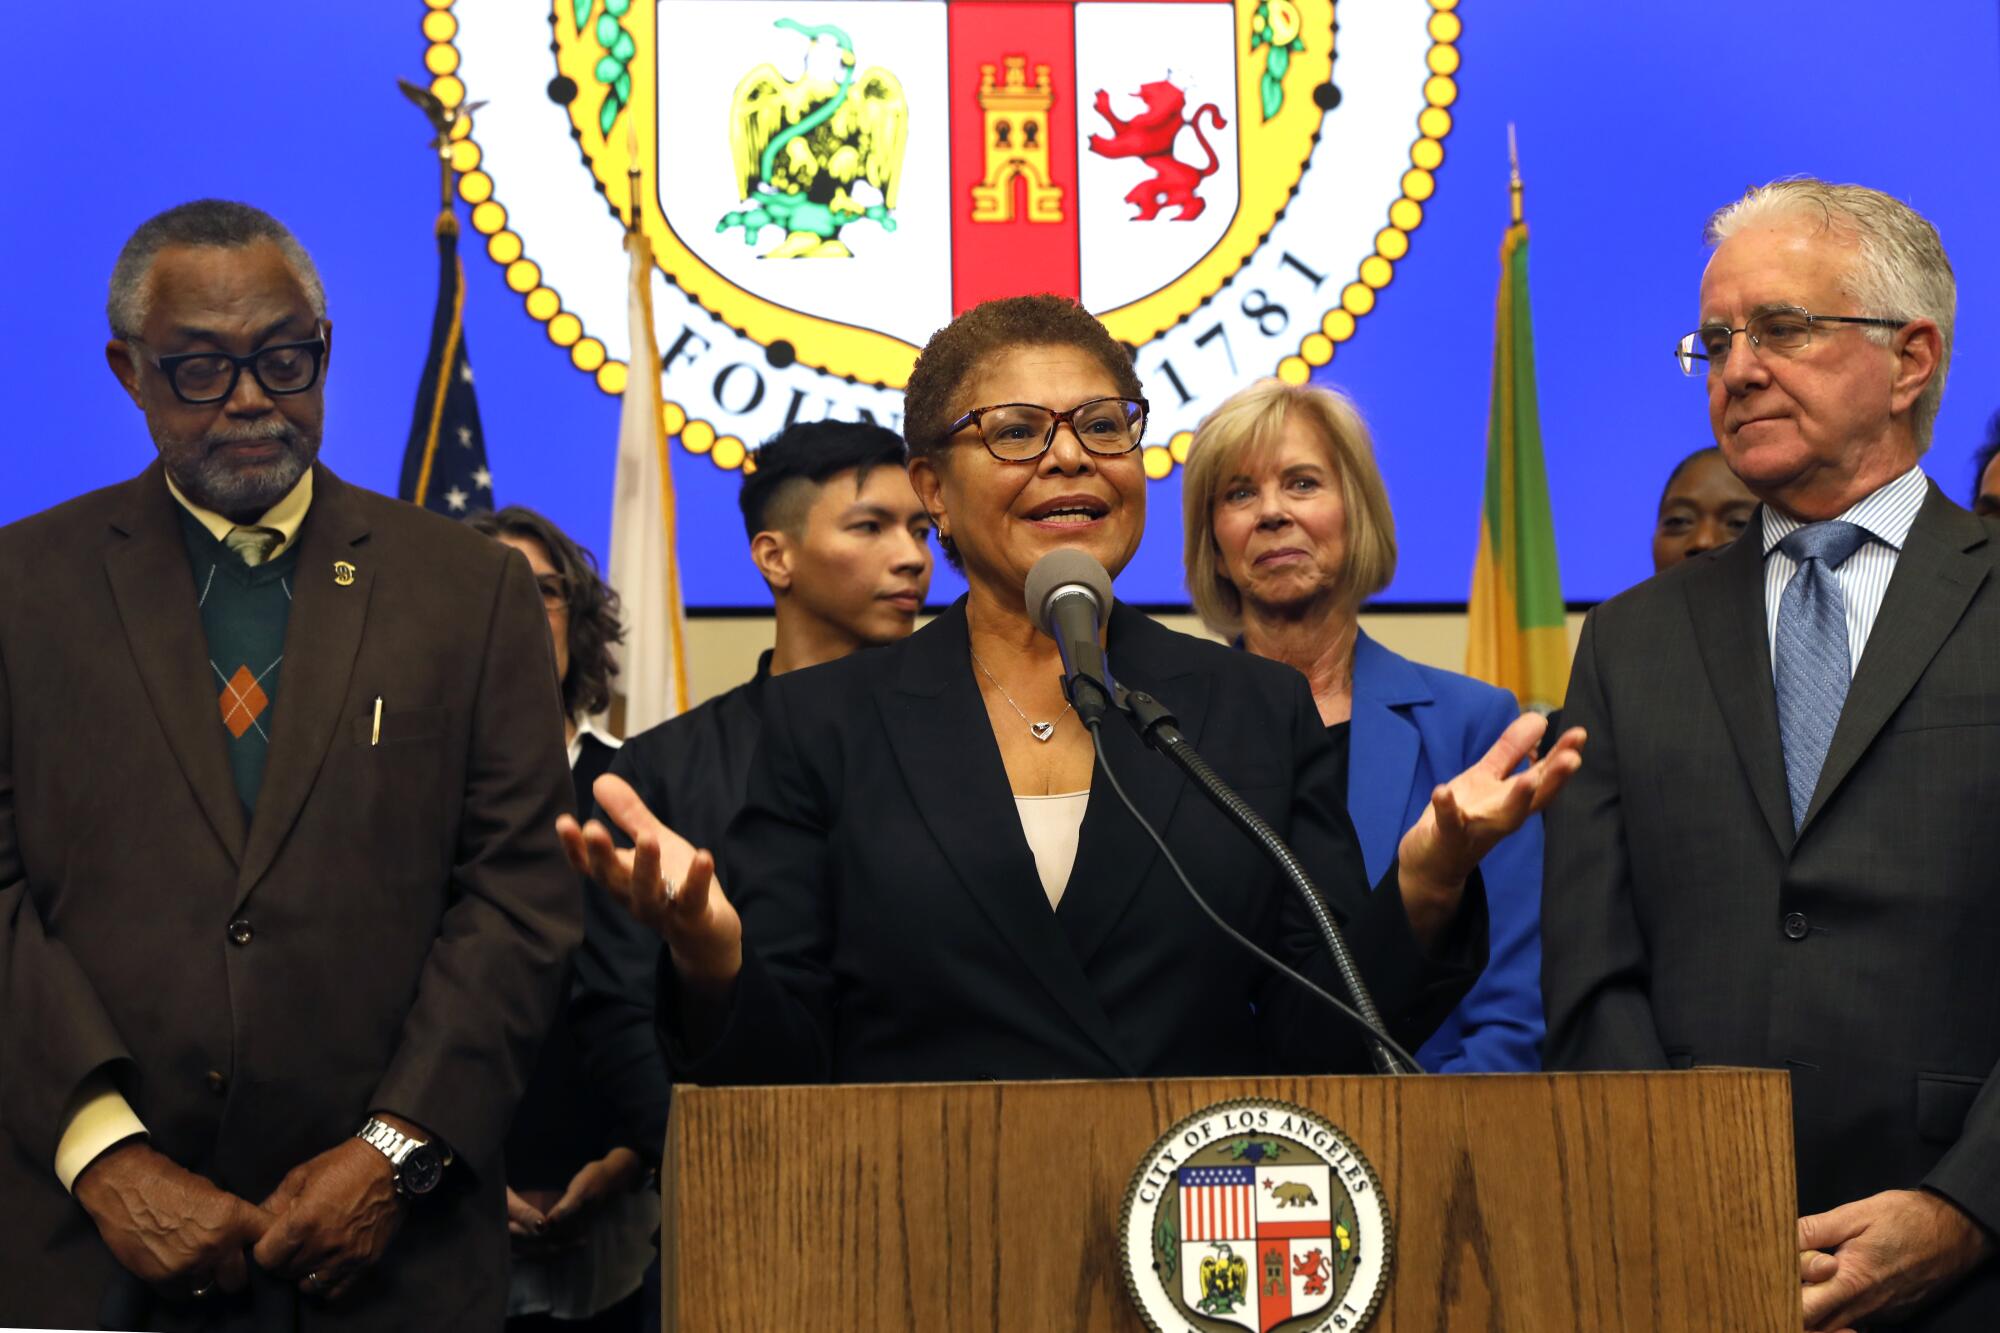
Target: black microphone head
(1066,568)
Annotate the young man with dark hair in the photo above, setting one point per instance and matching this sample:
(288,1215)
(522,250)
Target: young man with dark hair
(840,538)
(843,542)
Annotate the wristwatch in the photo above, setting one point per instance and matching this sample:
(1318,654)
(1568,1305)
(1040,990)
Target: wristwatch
(418,1165)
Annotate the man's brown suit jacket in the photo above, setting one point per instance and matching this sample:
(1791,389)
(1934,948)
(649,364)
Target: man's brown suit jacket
(387,931)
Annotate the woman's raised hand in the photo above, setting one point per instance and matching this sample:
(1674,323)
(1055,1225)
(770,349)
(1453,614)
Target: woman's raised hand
(1479,807)
(666,883)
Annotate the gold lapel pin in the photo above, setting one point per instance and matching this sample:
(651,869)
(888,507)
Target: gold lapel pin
(343,573)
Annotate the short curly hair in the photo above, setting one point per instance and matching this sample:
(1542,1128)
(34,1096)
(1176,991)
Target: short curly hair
(594,622)
(221,224)
(958,349)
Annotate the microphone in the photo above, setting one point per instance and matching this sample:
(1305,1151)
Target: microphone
(1069,596)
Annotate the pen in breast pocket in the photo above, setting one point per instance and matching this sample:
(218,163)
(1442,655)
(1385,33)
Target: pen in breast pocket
(375,732)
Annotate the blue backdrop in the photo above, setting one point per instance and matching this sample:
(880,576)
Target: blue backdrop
(1635,121)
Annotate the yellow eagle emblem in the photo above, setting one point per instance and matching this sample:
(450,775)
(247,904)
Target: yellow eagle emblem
(818,152)
(1225,1278)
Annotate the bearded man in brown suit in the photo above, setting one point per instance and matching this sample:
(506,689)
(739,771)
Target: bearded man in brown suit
(282,911)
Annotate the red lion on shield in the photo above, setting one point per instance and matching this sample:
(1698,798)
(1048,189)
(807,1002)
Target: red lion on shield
(1312,1267)
(1149,136)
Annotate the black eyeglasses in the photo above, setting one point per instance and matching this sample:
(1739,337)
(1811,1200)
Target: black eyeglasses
(1782,329)
(1023,432)
(211,377)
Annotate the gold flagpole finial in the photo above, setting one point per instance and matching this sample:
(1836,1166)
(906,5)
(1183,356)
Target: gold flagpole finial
(443,121)
(1513,174)
(440,117)
(443,142)
(631,175)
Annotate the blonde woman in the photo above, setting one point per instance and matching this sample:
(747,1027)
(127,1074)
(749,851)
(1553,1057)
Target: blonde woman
(1288,532)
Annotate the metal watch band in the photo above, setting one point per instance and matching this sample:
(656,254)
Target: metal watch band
(386,1139)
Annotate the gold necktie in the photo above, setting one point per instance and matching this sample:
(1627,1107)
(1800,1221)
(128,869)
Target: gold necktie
(253,545)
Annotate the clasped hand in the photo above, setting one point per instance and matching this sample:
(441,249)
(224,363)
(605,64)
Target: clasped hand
(1887,1254)
(333,1217)
(667,884)
(325,1225)
(542,1222)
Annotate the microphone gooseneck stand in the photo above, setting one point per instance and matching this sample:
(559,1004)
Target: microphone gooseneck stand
(1157,727)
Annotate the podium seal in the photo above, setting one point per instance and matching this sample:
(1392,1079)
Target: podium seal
(1256,1215)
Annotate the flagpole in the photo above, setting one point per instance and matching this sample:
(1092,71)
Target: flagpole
(631,176)
(644,537)
(447,372)
(447,222)
(1516,637)
(1513,174)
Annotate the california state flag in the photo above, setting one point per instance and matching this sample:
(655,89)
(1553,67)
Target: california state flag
(651,685)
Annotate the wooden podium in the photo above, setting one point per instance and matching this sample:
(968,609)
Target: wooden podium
(1535,1203)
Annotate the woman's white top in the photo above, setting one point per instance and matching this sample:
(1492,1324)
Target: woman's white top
(1052,824)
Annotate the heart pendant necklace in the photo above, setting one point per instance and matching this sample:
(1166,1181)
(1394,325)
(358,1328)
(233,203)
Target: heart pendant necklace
(1041,731)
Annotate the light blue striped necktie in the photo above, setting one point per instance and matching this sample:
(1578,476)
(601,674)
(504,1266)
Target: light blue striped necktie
(1813,666)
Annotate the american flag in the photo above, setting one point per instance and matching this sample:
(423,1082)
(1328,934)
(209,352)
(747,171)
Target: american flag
(1218,1203)
(444,463)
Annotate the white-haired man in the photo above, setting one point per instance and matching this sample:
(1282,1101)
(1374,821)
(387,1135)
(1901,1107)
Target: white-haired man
(1782,847)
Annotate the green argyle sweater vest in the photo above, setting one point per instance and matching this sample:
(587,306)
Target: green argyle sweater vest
(244,612)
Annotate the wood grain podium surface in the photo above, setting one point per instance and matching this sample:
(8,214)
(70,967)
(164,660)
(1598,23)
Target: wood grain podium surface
(1533,1203)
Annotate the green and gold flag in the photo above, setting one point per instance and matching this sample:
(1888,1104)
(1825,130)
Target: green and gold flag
(1518,639)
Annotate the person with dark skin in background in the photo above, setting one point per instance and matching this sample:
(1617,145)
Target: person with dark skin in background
(1703,508)
(1986,468)
(342,902)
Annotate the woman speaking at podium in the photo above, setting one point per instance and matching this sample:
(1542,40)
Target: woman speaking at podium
(930,880)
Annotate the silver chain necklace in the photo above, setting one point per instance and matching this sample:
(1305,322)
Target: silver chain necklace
(1041,731)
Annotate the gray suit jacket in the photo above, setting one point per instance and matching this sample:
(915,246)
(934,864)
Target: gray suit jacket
(1685,924)
(405,912)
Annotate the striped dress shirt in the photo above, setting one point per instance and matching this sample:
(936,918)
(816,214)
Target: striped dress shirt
(1886,515)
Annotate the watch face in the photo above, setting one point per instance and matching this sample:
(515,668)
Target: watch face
(421,1171)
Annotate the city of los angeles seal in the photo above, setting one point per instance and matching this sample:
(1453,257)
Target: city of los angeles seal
(1229,185)
(1256,1215)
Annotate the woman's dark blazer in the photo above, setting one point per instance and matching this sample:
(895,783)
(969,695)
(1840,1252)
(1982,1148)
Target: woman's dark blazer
(896,929)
